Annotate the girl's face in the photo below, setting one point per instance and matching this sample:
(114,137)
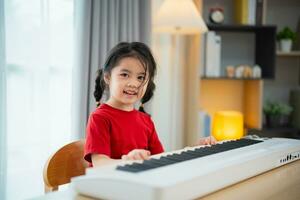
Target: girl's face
(127,83)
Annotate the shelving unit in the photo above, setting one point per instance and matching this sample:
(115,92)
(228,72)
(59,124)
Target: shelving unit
(265,44)
(242,95)
(290,54)
(279,69)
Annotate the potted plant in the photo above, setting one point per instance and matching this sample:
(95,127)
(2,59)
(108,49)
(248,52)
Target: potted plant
(286,37)
(277,114)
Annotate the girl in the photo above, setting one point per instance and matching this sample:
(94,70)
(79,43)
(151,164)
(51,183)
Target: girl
(115,129)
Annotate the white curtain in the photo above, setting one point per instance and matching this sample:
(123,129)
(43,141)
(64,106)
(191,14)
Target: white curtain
(39,63)
(49,86)
(100,26)
(2,105)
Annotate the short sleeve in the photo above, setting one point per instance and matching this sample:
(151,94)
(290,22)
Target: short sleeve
(97,137)
(155,146)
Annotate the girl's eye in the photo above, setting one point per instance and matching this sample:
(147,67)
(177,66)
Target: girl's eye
(141,78)
(124,75)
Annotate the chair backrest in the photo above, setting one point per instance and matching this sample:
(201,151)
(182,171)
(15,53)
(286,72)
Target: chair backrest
(64,164)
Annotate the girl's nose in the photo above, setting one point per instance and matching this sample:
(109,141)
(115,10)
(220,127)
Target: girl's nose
(133,83)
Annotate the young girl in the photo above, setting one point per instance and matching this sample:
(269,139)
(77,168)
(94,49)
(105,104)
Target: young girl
(116,130)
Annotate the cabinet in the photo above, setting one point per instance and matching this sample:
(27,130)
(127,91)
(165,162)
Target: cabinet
(241,44)
(280,71)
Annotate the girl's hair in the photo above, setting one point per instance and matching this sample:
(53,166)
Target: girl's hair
(122,50)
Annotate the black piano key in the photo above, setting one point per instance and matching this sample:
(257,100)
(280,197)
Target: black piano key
(140,166)
(171,161)
(186,155)
(178,159)
(202,152)
(158,161)
(191,154)
(154,163)
(127,168)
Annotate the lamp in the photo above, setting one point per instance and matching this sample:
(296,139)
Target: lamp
(228,125)
(179,17)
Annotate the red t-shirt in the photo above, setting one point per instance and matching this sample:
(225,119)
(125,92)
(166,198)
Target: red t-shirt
(115,132)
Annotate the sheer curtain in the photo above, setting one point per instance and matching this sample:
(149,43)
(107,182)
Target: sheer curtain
(100,26)
(2,105)
(39,63)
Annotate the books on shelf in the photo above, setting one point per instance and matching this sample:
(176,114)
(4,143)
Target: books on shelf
(245,11)
(260,12)
(204,124)
(212,54)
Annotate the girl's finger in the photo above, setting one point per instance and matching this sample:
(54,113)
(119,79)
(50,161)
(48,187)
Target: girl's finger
(207,141)
(142,155)
(124,157)
(137,156)
(213,140)
(145,154)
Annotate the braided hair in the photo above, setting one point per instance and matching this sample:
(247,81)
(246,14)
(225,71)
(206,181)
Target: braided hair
(122,50)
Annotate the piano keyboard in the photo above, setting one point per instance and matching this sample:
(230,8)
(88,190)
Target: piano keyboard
(188,173)
(186,155)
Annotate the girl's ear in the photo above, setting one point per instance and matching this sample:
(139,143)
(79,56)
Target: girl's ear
(106,78)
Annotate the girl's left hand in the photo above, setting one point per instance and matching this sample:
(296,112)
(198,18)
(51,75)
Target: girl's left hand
(207,141)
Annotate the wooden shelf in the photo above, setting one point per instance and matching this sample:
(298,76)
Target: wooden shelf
(227,78)
(289,54)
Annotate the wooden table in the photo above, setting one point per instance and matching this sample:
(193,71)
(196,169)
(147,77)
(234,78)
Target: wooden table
(280,183)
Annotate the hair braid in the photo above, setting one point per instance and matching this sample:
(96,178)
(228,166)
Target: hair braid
(99,86)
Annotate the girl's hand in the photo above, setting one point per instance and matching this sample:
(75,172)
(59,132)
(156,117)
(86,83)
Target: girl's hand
(137,154)
(207,141)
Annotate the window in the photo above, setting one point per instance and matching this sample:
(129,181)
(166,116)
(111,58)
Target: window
(39,56)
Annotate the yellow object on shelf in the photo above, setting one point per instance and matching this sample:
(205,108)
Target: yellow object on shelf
(228,125)
(241,11)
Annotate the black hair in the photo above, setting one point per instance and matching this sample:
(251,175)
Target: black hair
(122,50)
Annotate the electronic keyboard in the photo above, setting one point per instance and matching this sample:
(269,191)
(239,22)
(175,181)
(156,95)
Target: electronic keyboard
(188,173)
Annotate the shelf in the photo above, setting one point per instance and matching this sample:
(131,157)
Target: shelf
(287,132)
(240,28)
(288,54)
(227,78)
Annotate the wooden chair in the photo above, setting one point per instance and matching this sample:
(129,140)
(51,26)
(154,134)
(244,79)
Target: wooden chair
(64,164)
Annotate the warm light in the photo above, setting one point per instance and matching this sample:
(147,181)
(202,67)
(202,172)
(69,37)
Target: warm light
(228,125)
(179,17)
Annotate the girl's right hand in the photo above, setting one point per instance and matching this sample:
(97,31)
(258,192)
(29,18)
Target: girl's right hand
(137,154)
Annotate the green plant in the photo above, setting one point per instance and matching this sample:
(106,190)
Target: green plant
(275,108)
(286,33)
